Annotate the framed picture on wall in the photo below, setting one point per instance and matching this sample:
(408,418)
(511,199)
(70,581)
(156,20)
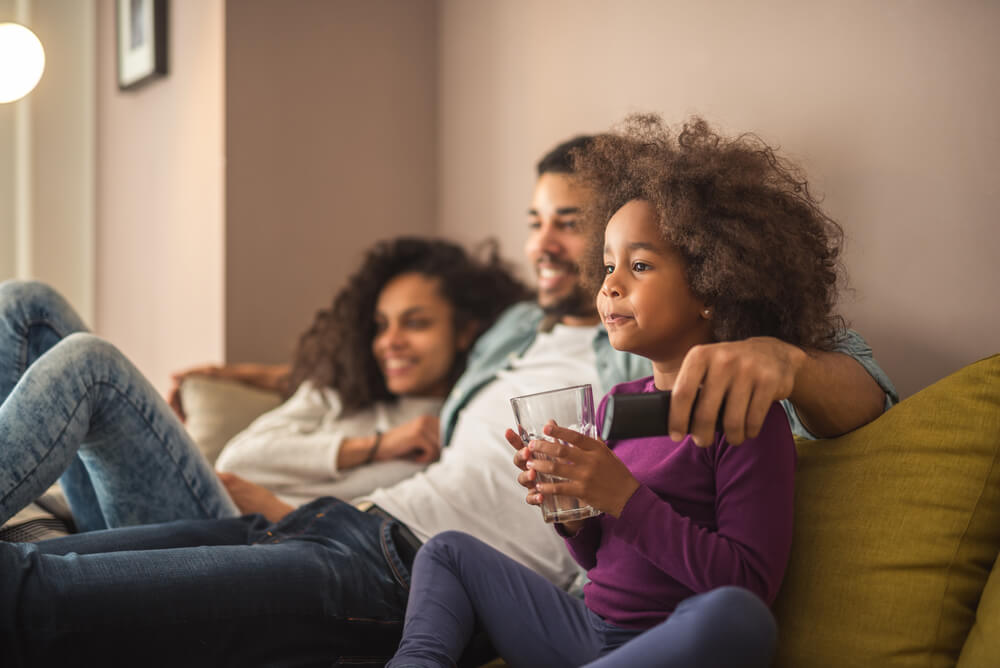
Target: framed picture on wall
(142,41)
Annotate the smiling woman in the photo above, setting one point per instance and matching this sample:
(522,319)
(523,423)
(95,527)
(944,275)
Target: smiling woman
(369,377)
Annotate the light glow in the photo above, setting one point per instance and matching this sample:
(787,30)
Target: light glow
(22,61)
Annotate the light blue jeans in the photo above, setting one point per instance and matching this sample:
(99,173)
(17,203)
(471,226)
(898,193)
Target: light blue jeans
(73,404)
(326,585)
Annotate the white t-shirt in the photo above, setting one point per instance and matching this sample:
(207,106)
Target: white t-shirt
(292,450)
(473,488)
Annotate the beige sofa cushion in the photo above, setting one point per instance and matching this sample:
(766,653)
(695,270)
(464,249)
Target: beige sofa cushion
(218,409)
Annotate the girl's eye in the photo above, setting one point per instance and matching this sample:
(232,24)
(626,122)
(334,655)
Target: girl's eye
(609,269)
(418,324)
(639,266)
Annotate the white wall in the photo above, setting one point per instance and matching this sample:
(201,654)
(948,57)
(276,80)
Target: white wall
(160,197)
(890,106)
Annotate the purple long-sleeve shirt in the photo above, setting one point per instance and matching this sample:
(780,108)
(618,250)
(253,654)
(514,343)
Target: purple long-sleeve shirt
(702,518)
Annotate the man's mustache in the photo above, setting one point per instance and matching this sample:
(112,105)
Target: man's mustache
(562,263)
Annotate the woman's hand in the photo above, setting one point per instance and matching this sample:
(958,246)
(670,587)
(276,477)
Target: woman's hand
(593,473)
(263,376)
(250,497)
(418,440)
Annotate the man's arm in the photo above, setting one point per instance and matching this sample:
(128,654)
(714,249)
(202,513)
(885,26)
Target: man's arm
(831,391)
(834,394)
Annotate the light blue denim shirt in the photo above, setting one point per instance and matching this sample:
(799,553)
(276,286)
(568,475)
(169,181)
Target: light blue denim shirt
(517,327)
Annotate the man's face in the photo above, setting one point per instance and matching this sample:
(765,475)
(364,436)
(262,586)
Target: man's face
(556,245)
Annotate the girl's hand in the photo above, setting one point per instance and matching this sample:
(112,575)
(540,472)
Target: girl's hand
(527,476)
(593,473)
(418,440)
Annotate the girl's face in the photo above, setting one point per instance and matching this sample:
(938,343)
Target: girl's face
(645,301)
(415,340)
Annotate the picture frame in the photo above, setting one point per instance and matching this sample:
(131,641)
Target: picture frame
(141,27)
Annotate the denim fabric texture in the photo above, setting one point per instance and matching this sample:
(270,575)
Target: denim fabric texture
(315,589)
(73,403)
(326,585)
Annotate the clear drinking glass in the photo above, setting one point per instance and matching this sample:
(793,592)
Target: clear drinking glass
(570,407)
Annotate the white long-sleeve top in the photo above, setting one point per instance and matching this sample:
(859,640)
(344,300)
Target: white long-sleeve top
(292,450)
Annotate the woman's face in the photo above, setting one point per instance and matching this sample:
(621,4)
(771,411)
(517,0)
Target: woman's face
(415,341)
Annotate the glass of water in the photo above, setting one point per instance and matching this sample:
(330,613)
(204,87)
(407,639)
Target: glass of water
(570,407)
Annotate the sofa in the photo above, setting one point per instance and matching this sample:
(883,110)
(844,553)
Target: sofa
(897,527)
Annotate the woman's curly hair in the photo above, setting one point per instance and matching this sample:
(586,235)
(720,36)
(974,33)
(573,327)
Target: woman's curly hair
(336,349)
(756,246)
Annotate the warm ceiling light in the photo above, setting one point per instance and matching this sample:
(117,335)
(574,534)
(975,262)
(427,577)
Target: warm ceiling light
(22,61)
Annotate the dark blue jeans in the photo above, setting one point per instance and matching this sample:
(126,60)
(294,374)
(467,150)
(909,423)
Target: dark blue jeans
(460,584)
(326,586)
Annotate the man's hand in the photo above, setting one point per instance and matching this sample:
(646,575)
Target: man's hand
(252,498)
(593,473)
(750,375)
(263,376)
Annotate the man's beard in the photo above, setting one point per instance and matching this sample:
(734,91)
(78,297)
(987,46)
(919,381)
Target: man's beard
(577,304)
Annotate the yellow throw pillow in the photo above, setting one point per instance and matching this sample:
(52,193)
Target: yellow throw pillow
(897,528)
(982,649)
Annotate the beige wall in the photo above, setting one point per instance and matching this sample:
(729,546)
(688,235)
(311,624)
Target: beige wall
(331,134)
(47,156)
(160,197)
(890,106)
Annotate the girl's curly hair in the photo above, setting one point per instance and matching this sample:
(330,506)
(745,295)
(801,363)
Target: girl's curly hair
(756,246)
(336,349)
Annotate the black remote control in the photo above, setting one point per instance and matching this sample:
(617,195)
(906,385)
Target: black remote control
(640,415)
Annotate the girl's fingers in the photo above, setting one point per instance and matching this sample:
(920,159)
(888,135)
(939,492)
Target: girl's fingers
(566,488)
(513,438)
(568,452)
(570,436)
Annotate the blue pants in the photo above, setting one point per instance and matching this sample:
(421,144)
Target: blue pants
(460,584)
(72,403)
(325,585)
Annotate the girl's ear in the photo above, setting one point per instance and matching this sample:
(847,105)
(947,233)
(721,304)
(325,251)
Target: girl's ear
(466,335)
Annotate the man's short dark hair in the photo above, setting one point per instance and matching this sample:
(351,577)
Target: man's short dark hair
(560,159)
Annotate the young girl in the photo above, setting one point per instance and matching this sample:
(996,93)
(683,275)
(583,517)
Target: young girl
(706,239)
